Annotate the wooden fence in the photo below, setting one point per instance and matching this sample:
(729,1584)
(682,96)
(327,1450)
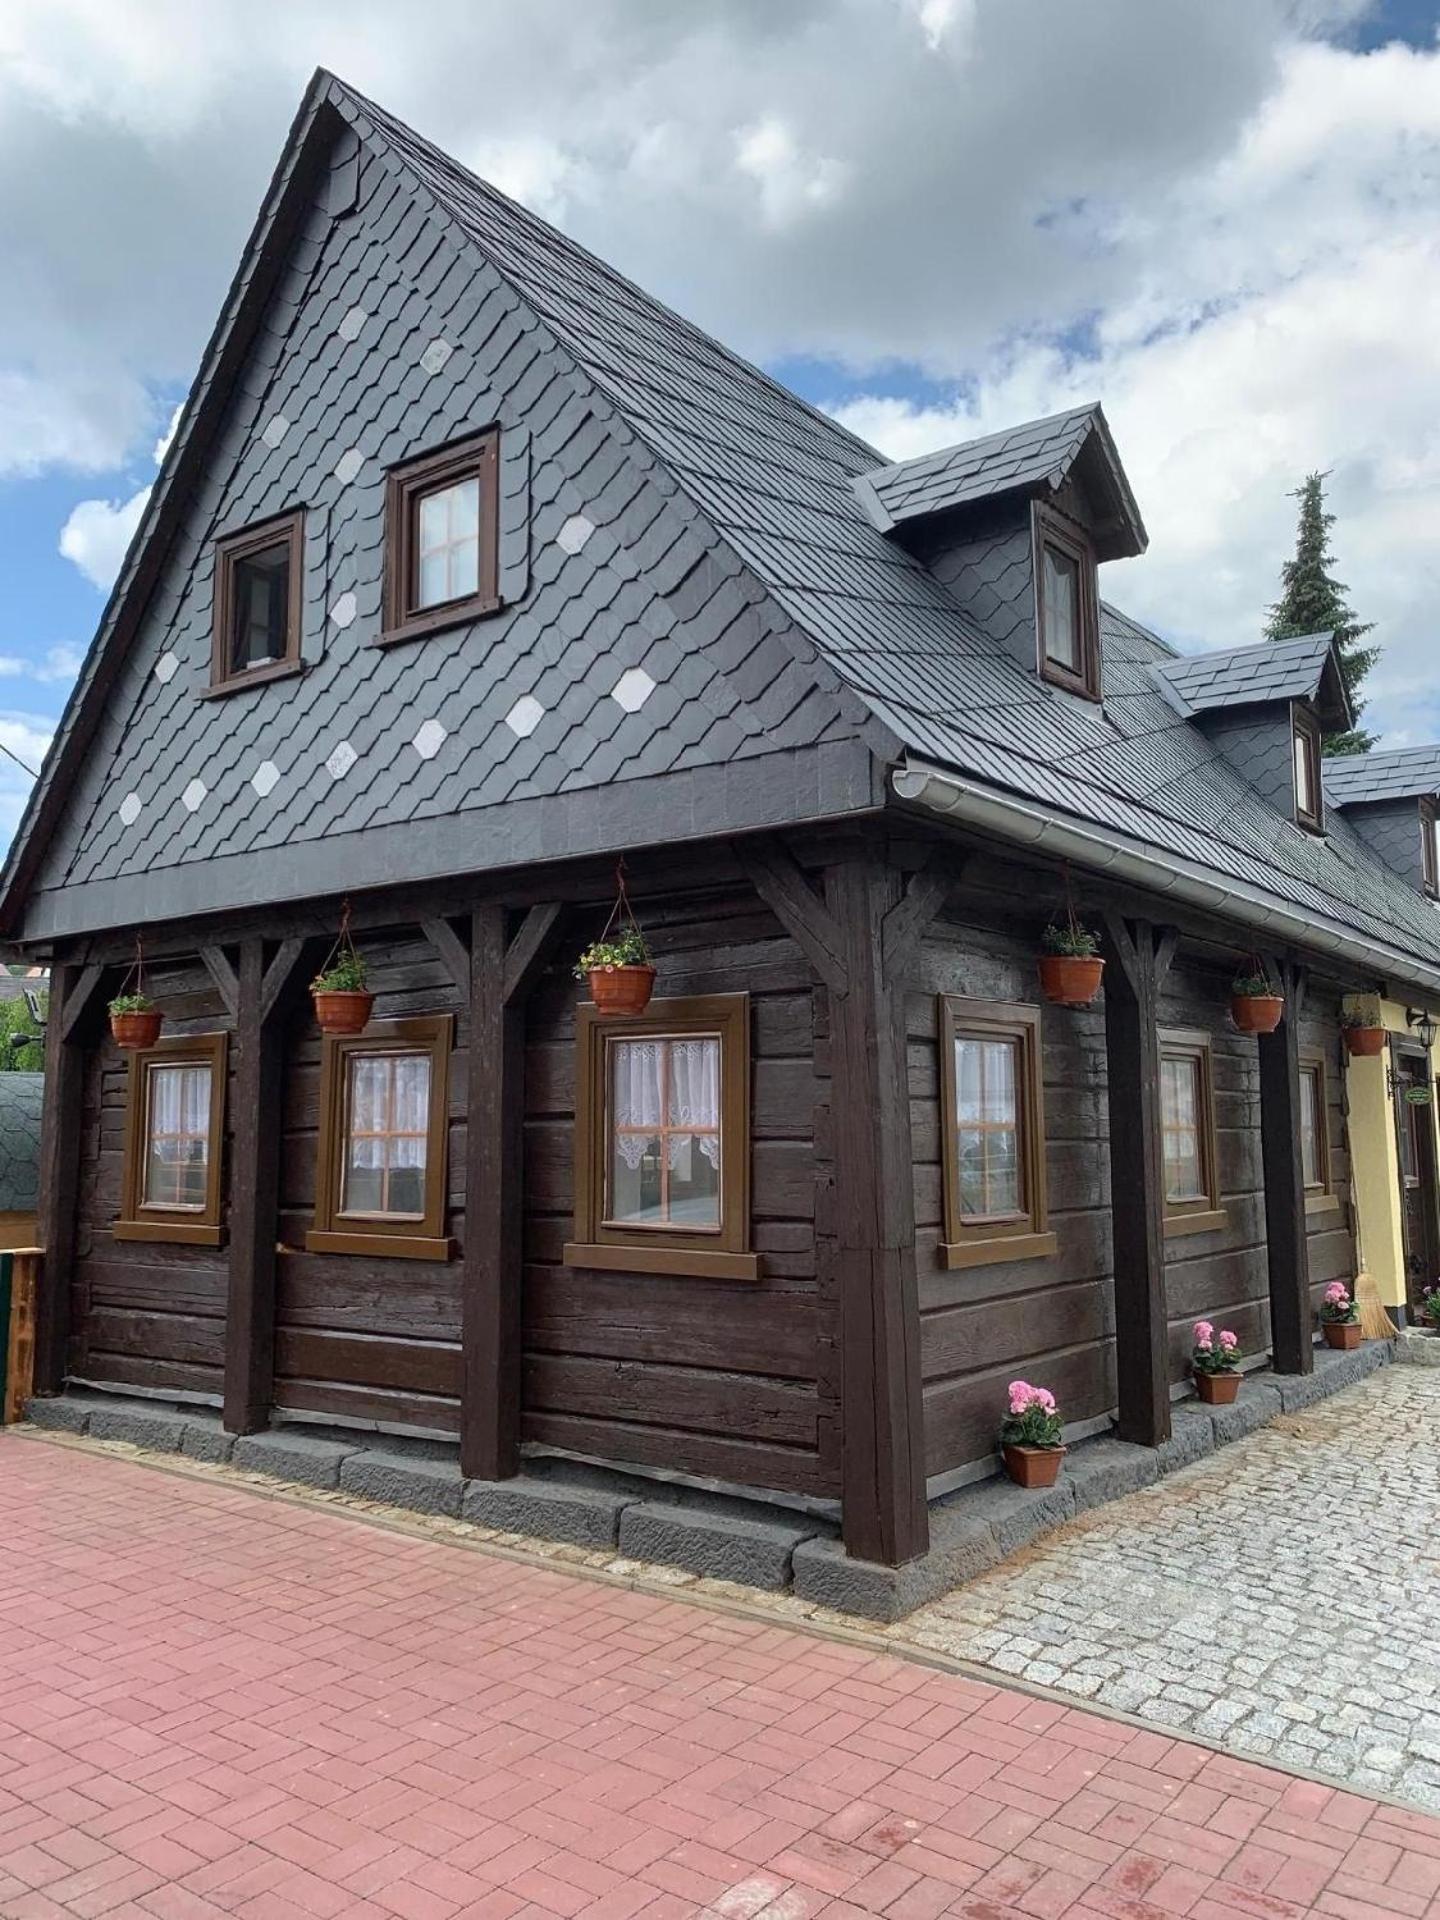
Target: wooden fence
(19,1279)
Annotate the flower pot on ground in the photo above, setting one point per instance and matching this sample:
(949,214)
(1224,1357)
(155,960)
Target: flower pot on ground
(343,1001)
(1363,1041)
(1255,1007)
(1215,1363)
(619,972)
(1030,1441)
(1339,1317)
(1429,1312)
(135,1021)
(1070,965)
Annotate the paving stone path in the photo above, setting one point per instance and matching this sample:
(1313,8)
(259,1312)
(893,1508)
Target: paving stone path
(1281,1597)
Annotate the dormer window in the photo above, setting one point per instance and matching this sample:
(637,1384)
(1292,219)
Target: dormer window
(1067,607)
(1430,847)
(1309,804)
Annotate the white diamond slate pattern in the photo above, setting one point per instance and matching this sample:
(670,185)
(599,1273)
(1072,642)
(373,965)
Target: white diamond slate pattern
(575,532)
(129,809)
(348,465)
(350,327)
(632,689)
(341,760)
(435,355)
(166,667)
(275,430)
(265,778)
(191,798)
(429,740)
(525,716)
(344,610)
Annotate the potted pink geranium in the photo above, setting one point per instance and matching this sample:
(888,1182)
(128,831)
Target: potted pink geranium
(1030,1437)
(1339,1316)
(1215,1363)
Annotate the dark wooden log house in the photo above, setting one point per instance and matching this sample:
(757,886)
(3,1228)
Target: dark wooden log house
(472,568)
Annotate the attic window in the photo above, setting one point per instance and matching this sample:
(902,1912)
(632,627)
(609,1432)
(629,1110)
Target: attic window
(1067,607)
(1430,847)
(1309,804)
(258,577)
(442,539)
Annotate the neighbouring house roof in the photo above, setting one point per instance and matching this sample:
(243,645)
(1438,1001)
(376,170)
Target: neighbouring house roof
(1033,458)
(828,619)
(1409,773)
(21,1097)
(1303,668)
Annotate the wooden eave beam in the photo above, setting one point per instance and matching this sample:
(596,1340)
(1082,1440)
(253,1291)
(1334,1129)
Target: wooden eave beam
(781,884)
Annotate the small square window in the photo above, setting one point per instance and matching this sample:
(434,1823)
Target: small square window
(1067,606)
(992,1133)
(442,539)
(257,604)
(174,1120)
(1430,847)
(1309,803)
(1189,1155)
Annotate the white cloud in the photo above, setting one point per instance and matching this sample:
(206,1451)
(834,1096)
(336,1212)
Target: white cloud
(162,445)
(58,666)
(97,534)
(791,182)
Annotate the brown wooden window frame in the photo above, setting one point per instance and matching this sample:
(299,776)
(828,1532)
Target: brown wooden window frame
(1051,529)
(230,549)
(1205,1212)
(1429,851)
(722,1253)
(1025,1235)
(399,1237)
(1319,1194)
(475,457)
(146,1220)
(1309,812)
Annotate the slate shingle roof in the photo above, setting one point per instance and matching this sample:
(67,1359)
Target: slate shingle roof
(21,1096)
(1248,676)
(1406,774)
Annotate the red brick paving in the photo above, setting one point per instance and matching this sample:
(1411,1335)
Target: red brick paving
(214,1705)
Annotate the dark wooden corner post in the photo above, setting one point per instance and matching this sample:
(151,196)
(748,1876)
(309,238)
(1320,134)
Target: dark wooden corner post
(1286,1244)
(495,974)
(861,939)
(257,999)
(74,993)
(1138,958)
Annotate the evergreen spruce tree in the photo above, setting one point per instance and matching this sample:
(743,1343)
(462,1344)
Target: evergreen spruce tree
(1313,601)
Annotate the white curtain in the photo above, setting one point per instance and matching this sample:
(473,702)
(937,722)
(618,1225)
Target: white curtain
(179,1100)
(637,1078)
(389,1109)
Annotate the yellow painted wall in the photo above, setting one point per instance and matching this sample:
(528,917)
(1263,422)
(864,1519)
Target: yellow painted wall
(16,1230)
(1374,1162)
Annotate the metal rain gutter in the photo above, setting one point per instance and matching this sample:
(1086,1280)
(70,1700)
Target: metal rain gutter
(1102,850)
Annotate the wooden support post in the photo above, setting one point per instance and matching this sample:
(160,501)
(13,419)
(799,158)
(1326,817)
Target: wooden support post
(261,996)
(73,995)
(883,1508)
(1286,1241)
(1136,965)
(502,972)
(19,1347)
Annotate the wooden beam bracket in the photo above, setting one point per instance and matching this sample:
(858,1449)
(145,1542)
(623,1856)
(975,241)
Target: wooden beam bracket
(907,922)
(780,883)
(222,975)
(79,1000)
(451,949)
(528,951)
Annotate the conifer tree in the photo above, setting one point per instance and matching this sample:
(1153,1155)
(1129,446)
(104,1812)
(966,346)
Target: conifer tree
(1313,601)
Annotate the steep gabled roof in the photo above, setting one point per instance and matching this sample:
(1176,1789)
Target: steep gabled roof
(1409,773)
(1303,668)
(1035,457)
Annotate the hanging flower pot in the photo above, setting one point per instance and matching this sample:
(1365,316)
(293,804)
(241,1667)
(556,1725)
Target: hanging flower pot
(342,999)
(1255,1007)
(617,967)
(135,1021)
(1070,965)
(1364,1042)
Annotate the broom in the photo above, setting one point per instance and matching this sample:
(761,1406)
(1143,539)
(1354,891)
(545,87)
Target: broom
(1375,1322)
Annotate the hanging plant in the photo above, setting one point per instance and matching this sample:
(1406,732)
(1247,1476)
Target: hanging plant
(617,966)
(1255,1006)
(343,1000)
(1071,968)
(135,1020)
(1364,1037)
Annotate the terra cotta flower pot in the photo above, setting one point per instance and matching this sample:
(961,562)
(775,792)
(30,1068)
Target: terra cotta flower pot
(1033,1466)
(621,990)
(1341,1333)
(1256,1012)
(136,1031)
(342,1009)
(1070,979)
(1218,1389)
(1363,1043)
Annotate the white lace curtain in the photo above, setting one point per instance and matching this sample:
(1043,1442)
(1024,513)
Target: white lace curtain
(389,1109)
(640,1072)
(179,1101)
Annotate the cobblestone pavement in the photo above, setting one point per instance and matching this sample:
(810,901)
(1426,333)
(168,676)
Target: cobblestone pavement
(1281,1597)
(214,1703)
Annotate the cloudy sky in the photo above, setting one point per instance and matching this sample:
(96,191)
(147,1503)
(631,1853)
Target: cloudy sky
(933,217)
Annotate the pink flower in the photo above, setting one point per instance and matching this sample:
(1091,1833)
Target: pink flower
(1045,1401)
(1204,1334)
(1337,1293)
(1020,1392)
(1229,1341)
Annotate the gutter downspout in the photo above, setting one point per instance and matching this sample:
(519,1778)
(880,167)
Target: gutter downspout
(1030,823)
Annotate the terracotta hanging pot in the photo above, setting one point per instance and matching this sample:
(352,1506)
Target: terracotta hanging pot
(1217,1389)
(621,990)
(137,1031)
(344,1010)
(1033,1466)
(1363,1043)
(1071,979)
(1257,1012)
(1345,1334)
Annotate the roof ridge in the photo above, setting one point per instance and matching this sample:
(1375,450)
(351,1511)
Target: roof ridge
(979,439)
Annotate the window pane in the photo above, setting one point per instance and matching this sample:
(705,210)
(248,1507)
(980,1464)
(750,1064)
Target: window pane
(665,1133)
(1309,1132)
(447,538)
(386,1134)
(1061,601)
(987,1076)
(260,603)
(1180,1113)
(177,1137)
(1304,773)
